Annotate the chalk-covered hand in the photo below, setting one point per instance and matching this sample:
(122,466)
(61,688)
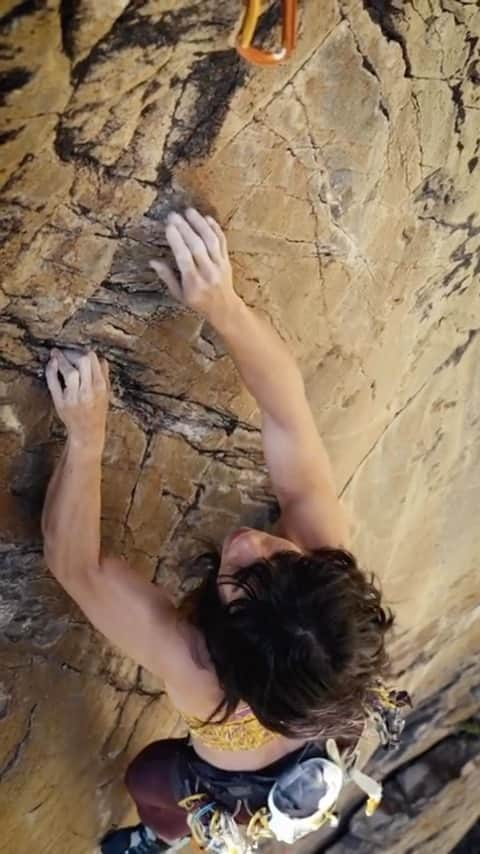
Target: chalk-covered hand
(81,400)
(200,250)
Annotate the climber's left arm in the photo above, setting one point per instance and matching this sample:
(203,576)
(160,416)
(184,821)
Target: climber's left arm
(297,460)
(130,611)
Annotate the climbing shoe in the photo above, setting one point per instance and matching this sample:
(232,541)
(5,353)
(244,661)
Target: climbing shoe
(132,840)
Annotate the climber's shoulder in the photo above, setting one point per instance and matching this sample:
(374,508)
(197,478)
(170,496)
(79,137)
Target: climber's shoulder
(140,618)
(315,520)
(193,687)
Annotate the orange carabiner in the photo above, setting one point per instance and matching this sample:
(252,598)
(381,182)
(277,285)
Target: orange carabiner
(247,32)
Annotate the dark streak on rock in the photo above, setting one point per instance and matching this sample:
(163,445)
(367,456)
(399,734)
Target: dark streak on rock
(383,109)
(9,226)
(435,196)
(419,660)
(205,92)
(129,30)
(463,263)
(30,473)
(28,7)
(17,751)
(64,144)
(214,79)
(9,135)
(473,72)
(472,42)
(385,14)
(18,174)
(69,11)
(134,29)
(460,112)
(367,64)
(11,80)
(67,149)
(457,354)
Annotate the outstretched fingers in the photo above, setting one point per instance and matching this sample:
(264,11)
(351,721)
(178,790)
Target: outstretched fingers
(182,254)
(195,242)
(166,274)
(222,240)
(53,382)
(68,372)
(85,369)
(206,232)
(191,239)
(100,371)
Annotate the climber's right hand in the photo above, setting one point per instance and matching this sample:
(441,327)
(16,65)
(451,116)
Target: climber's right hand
(200,250)
(80,388)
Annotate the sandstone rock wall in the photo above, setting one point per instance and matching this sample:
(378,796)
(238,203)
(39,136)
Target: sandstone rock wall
(348,183)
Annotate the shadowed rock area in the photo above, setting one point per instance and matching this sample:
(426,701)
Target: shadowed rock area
(348,183)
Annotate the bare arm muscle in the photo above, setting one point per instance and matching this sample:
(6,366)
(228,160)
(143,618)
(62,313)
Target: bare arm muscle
(302,478)
(298,463)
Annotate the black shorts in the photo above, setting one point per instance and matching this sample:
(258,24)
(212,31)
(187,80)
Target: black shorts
(230,789)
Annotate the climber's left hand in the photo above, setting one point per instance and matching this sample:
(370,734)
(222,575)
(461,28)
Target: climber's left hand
(200,250)
(81,399)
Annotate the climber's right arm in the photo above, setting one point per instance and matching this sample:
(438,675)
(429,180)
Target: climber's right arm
(130,611)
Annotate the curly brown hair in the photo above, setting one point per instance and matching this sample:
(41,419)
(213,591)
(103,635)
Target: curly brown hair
(303,642)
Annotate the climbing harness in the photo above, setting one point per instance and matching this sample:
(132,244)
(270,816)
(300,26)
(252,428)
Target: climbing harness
(247,32)
(300,801)
(303,797)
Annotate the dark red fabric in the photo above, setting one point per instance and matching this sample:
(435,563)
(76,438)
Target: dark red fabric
(149,781)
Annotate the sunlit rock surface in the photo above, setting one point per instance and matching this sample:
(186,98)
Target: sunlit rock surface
(348,183)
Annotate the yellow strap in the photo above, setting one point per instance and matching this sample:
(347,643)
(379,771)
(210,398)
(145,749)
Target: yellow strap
(371,806)
(215,823)
(191,801)
(258,826)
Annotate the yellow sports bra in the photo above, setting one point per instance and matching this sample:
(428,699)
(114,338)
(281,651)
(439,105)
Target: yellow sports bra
(240,732)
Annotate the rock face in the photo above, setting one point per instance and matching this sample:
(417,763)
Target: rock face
(347,181)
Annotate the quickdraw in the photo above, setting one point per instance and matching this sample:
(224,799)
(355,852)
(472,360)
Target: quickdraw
(385,711)
(347,764)
(247,32)
(213,829)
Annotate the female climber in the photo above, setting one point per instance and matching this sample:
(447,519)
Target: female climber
(282,646)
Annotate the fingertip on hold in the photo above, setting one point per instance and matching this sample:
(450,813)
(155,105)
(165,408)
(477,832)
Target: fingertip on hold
(51,367)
